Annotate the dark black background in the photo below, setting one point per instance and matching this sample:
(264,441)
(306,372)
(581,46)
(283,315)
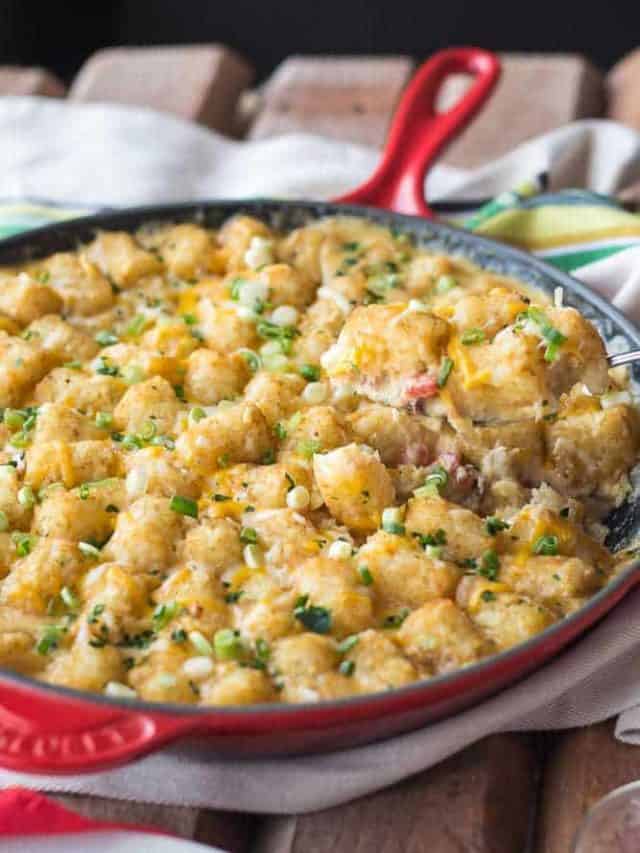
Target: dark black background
(59,34)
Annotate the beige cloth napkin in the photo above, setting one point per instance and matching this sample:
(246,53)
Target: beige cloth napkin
(90,154)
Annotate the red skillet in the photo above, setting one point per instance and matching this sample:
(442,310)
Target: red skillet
(57,730)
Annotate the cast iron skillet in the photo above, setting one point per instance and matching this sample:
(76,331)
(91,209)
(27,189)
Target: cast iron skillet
(51,729)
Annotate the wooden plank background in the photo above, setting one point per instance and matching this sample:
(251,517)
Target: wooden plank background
(508,793)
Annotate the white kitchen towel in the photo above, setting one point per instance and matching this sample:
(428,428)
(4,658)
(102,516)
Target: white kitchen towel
(94,155)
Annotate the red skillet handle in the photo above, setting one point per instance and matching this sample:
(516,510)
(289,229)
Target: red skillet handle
(58,734)
(418,133)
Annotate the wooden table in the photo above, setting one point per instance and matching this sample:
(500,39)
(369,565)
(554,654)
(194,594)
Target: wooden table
(508,793)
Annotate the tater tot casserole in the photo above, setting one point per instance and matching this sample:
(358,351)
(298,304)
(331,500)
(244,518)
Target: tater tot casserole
(243,466)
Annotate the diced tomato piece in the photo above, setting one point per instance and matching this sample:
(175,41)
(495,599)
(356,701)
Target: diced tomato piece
(421,387)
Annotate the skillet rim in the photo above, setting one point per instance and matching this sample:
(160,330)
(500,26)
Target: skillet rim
(36,242)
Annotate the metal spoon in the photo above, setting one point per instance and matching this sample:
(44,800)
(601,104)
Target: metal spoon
(623,358)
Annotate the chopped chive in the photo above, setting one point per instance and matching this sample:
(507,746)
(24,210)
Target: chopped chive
(365,575)
(14,418)
(26,497)
(218,498)
(435,482)
(316,619)
(347,644)
(24,542)
(445,369)
(310,372)
(104,420)
(395,620)
(200,643)
(494,525)
(163,614)
(89,550)
(184,506)
(446,283)
(106,338)
(487,595)
(49,639)
(136,326)
(197,414)
(472,336)
(489,565)
(546,546)
(308,448)
(347,667)
(227,644)
(69,598)
(132,374)
(248,536)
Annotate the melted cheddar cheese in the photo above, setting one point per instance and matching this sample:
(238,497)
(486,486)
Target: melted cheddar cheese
(241,466)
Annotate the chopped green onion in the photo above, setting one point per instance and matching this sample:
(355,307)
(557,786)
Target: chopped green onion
(308,448)
(347,667)
(263,652)
(347,644)
(248,535)
(20,440)
(280,431)
(132,374)
(104,420)
(89,550)
(432,539)
(49,639)
(269,457)
(184,506)
(14,418)
(26,497)
(106,338)
(434,552)
(283,334)
(549,333)
(472,336)
(494,525)
(445,369)
(179,635)
(24,542)
(446,283)
(546,546)
(365,575)
(197,414)
(227,644)
(487,595)
(69,598)
(252,555)
(489,565)
(221,498)
(190,319)
(4,521)
(73,365)
(136,326)
(200,643)
(393,527)
(233,597)
(396,619)
(254,362)
(435,482)
(316,619)
(148,430)
(310,372)
(178,390)
(104,368)
(163,614)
